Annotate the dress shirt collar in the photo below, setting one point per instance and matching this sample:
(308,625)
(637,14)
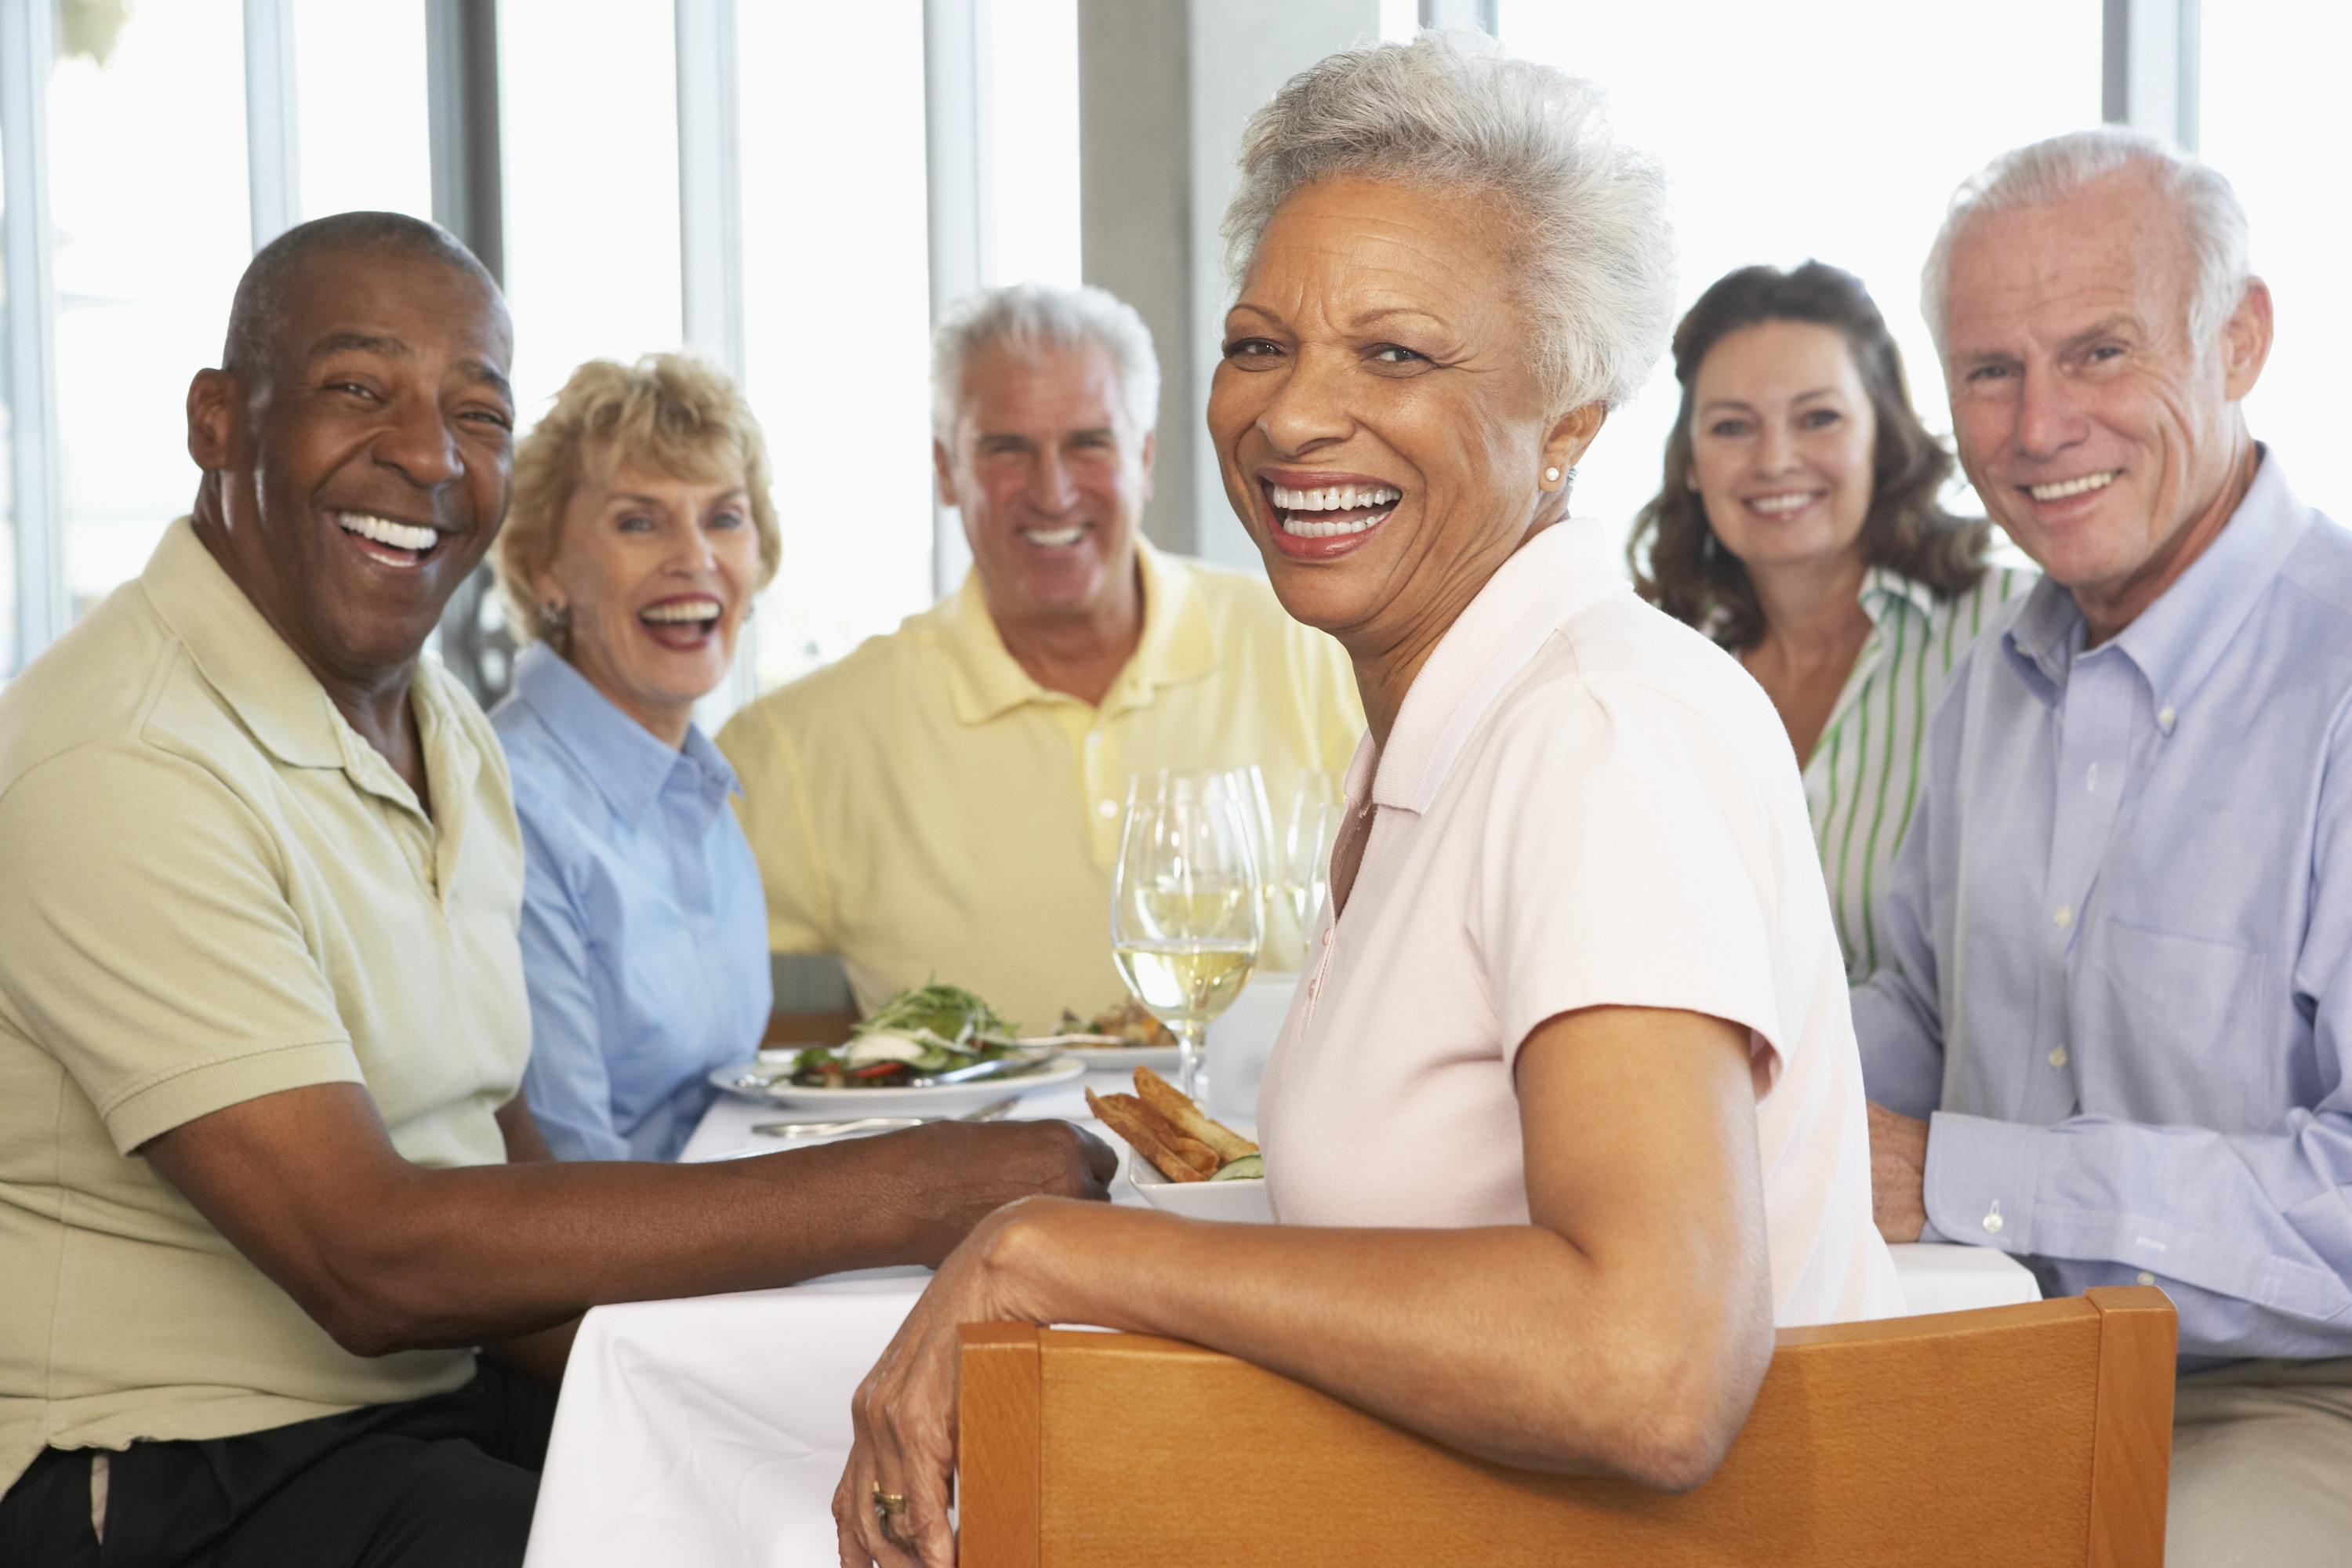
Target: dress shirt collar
(987,681)
(2176,641)
(629,763)
(1549,578)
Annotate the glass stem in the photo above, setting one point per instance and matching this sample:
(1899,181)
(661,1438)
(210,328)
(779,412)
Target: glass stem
(1190,1043)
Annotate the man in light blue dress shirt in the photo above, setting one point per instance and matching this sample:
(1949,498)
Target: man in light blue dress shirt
(645,934)
(2115,1036)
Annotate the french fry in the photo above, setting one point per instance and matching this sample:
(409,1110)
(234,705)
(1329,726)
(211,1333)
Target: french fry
(1186,1117)
(1178,1158)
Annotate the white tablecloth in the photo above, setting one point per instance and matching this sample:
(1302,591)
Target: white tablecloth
(710,1433)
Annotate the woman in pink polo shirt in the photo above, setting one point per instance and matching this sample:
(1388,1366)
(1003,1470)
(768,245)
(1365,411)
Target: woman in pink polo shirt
(1567,1115)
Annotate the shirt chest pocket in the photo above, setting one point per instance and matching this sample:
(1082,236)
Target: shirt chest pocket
(2192,1037)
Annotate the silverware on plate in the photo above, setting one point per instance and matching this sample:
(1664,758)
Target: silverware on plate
(992,1112)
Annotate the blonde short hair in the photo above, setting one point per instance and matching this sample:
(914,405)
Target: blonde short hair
(672,412)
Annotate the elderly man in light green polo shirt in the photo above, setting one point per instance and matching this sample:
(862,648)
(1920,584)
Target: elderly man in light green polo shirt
(262,1017)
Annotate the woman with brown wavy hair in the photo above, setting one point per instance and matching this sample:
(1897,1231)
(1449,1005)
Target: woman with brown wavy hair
(1798,525)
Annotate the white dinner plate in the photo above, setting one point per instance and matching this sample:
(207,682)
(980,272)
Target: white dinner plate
(944,1097)
(1119,1058)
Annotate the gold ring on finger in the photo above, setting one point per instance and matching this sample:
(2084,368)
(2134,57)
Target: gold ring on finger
(888,1505)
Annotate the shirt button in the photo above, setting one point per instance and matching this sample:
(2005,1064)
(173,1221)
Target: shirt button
(2091,779)
(2144,1277)
(1992,1221)
(1106,809)
(2063,916)
(2058,1058)
(2164,716)
(1094,737)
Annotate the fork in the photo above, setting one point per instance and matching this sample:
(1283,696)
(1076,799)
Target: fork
(988,1112)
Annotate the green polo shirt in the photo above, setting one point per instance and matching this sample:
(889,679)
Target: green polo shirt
(214,890)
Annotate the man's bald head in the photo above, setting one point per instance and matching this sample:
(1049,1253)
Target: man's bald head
(260,309)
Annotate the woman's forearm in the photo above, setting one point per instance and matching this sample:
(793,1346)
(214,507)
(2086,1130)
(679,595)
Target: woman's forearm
(1508,1342)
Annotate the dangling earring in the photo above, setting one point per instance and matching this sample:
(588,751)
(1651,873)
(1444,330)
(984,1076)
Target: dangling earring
(555,618)
(1706,547)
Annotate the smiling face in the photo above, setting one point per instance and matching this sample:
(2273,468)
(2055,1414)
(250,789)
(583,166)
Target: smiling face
(1782,439)
(357,472)
(1380,429)
(656,574)
(2098,433)
(1051,476)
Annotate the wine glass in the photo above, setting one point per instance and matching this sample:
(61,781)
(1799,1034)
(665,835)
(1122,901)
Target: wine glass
(1318,808)
(1306,871)
(1187,910)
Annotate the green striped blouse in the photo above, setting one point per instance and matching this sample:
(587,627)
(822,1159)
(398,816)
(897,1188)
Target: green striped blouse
(1863,776)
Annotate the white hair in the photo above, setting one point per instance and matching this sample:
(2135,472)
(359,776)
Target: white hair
(2214,225)
(1591,240)
(1031,318)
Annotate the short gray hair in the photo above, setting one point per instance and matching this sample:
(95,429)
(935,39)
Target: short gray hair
(2213,225)
(1593,244)
(1031,318)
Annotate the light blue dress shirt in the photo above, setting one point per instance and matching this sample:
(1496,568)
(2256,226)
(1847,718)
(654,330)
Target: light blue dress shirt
(645,934)
(2121,934)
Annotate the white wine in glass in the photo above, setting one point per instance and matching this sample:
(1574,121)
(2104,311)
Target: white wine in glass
(1187,913)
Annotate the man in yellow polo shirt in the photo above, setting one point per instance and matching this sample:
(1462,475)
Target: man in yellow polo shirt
(947,800)
(265,1180)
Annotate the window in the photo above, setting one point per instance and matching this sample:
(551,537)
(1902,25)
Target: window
(588,116)
(360,104)
(1836,132)
(836,296)
(2271,122)
(148,200)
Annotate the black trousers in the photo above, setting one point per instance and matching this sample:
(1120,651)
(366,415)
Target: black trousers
(443,1482)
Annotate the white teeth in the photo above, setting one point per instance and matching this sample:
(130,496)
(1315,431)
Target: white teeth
(681,610)
(2065,488)
(1292,526)
(1335,497)
(384,531)
(1054,538)
(1792,501)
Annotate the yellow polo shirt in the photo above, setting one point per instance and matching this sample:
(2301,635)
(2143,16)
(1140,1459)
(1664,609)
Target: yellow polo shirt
(215,890)
(923,808)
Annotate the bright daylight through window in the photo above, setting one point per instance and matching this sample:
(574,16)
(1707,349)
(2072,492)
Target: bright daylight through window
(1840,138)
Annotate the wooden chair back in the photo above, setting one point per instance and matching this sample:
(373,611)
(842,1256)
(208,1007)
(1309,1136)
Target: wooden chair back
(2023,1435)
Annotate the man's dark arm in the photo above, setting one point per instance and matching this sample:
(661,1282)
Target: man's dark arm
(389,1256)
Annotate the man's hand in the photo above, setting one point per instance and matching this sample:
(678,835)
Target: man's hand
(951,1175)
(1898,1173)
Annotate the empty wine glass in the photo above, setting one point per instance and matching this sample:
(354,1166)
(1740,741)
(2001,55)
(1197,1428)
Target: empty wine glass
(1187,912)
(1318,808)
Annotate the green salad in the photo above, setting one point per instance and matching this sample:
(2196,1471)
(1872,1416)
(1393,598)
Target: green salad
(932,1028)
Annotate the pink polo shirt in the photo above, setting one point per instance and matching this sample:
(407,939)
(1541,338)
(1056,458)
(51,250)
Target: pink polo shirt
(1583,804)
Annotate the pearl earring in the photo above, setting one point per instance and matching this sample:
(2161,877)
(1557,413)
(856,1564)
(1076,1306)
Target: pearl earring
(1551,475)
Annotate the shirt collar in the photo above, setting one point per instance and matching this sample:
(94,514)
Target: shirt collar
(1883,589)
(240,655)
(2176,641)
(629,763)
(986,681)
(1549,578)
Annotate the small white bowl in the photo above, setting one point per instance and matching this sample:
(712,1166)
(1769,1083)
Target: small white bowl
(1240,1202)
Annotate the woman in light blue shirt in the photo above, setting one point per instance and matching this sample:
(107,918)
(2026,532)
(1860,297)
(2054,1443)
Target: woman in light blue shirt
(1799,526)
(639,530)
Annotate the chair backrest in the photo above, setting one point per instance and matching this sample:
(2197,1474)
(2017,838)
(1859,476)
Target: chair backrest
(2023,1436)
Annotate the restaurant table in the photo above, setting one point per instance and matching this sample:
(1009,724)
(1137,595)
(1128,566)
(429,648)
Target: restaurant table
(709,1433)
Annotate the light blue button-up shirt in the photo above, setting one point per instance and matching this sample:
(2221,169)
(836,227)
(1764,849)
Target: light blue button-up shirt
(2121,932)
(645,934)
